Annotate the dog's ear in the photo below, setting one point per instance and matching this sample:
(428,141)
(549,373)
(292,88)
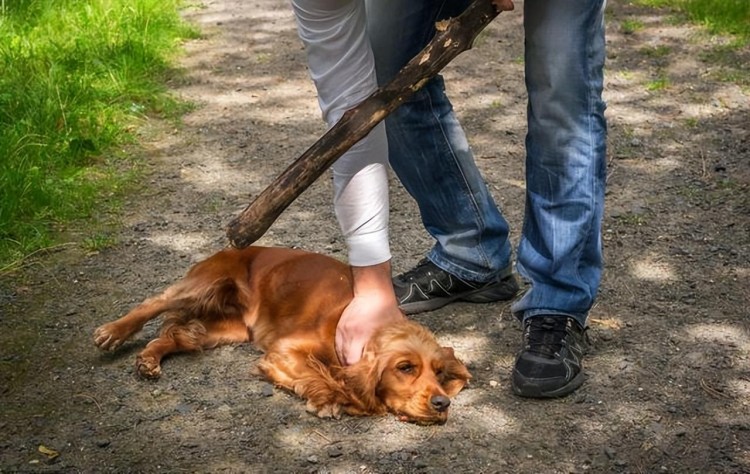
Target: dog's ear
(362,380)
(456,375)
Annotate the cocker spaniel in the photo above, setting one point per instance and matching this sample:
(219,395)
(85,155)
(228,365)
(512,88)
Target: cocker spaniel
(288,303)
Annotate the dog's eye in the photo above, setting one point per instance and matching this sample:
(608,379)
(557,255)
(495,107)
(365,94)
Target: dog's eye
(406,367)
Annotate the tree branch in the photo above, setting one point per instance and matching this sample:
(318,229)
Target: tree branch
(452,38)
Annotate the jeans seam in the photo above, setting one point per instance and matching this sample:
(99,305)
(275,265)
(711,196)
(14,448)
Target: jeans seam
(594,23)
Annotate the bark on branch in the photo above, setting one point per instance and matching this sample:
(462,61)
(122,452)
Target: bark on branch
(452,38)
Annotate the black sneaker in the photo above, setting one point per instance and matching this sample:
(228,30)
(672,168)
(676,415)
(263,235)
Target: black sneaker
(426,287)
(549,365)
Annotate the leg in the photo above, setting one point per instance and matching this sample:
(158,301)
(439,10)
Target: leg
(205,294)
(429,151)
(112,335)
(295,370)
(187,335)
(560,249)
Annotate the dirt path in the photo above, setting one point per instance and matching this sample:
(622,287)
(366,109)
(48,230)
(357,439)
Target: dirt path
(669,372)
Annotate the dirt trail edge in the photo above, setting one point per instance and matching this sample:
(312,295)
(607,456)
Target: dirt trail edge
(669,368)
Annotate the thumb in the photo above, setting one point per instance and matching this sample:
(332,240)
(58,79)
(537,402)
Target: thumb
(503,5)
(348,351)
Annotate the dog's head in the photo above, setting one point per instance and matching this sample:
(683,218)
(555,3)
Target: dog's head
(405,371)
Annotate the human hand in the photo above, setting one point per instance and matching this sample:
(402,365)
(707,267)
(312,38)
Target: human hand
(374,305)
(503,5)
(363,316)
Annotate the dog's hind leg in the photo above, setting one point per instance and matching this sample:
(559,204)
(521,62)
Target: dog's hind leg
(112,335)
(180,335)
(177,335)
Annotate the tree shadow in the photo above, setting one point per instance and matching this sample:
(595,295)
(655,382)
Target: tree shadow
(668,385)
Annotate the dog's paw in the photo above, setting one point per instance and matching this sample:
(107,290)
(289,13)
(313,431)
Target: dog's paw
(328,410)
(148,367)
(107,337)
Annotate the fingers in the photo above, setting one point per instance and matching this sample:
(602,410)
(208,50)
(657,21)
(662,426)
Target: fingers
(348,350)
(503,5)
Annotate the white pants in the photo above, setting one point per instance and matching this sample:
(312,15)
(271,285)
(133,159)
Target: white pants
(341,65)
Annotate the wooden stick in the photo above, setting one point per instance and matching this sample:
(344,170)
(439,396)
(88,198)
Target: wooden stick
(452,38)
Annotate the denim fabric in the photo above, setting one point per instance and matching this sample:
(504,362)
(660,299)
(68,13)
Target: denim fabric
(560,248)
(430,153)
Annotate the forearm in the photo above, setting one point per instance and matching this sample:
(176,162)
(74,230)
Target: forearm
(360,180)
(342,66)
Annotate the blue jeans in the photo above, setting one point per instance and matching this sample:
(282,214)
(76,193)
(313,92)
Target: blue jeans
(560,249)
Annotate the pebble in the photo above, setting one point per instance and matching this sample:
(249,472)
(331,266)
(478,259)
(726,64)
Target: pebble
(334,451)
(266,390)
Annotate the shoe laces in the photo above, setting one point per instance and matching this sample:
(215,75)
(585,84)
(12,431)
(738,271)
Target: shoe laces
(545,335)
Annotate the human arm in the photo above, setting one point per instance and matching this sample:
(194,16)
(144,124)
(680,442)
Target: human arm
(361,205)
(341,64)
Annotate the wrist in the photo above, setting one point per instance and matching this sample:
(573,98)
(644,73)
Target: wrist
(374,281)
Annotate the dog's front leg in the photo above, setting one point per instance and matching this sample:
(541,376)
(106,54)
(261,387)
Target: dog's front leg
(308,378)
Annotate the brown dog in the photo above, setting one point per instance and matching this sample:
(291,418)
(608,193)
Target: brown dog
(288,302)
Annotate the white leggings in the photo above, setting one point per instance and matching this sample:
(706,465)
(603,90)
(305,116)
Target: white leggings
(341,65)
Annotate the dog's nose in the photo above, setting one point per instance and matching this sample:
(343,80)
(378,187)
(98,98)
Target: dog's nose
(440,402)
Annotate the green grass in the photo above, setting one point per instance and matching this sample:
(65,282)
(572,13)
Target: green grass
(630,26)
(719,16)
(76,78)
(660,83)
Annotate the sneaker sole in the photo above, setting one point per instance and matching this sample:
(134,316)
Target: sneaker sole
(533,390)
(504,291)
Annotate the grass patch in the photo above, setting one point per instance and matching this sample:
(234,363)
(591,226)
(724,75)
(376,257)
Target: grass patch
(691,122)
(730,62)
(77,77)
(660,83)
(99,241)
(718,16)
(632,219)
(631,26)
(721,16)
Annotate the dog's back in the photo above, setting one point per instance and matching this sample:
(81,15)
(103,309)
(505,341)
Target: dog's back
(294,294)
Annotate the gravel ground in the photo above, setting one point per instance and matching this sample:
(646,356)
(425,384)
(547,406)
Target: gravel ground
(669,374)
